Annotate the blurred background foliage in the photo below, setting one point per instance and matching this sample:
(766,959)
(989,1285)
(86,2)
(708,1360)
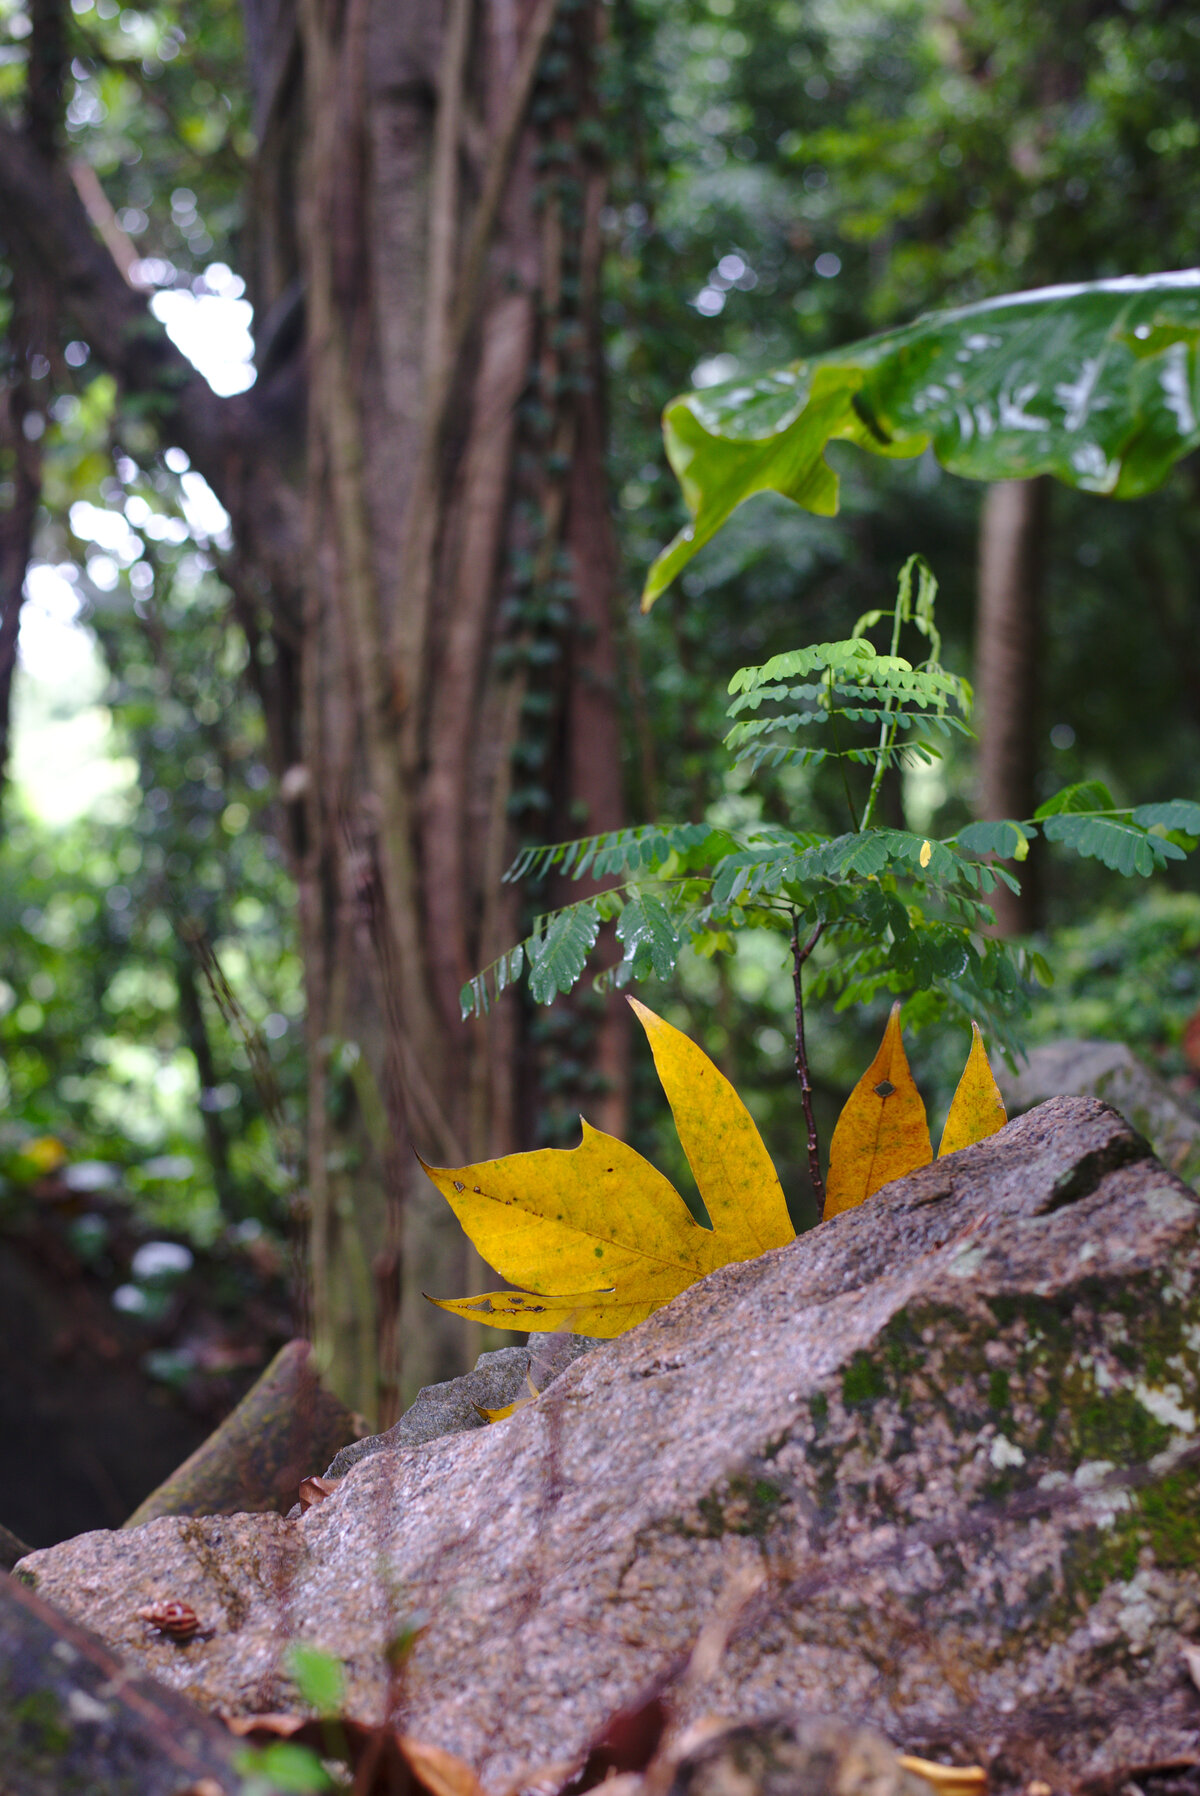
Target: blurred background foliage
(787,174)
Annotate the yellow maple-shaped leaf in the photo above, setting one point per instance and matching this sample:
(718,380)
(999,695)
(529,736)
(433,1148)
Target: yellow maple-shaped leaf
(882,1132)
(593,1235)
(977,1109)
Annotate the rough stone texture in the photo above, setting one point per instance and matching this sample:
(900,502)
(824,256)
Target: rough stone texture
(809,1755)
(955,1431)
(1113,1072)
(74,1719)
(498,1379)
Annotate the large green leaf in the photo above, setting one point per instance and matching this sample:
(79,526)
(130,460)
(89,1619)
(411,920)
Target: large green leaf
(1096,384)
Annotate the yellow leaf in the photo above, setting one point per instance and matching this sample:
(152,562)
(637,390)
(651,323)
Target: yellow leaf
(45,1153)
(725,1151)
(948,1780)
(926,854)
(508,1409)
(593,1235)
(978,1109)
(882,1133)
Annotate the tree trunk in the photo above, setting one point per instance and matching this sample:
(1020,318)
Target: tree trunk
(424,575)
(1007,648)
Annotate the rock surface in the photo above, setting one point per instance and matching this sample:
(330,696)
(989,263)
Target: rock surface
(499,1378)
(1113,1072)
(73,1718)
(953,1435)
(786,1756)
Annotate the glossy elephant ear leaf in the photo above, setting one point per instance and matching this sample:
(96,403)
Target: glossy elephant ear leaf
(594,1237)
(882,1133)
(977,1109)
(1096,384)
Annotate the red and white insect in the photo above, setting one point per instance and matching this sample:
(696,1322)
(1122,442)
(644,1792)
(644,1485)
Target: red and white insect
(178,1620)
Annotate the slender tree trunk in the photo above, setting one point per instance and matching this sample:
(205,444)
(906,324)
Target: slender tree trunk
(20,476)
(1007,647)
(29,342)
(422,571)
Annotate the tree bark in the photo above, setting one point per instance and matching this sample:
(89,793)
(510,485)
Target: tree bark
(1007,648)
(422,571)
(284,1429)
(20,472)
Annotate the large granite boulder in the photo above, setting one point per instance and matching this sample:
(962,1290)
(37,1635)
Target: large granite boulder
(1113,1072)
(943,1451)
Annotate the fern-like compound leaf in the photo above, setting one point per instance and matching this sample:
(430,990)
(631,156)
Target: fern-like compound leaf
(558,954)
(652,942)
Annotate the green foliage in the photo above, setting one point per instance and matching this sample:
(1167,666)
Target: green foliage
(318,1676)
(283,1765)
(899,913)
(1129,973)
(1096,384)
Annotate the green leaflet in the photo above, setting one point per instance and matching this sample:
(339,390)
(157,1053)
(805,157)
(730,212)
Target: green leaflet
(1116,841)
(1088,795)
(1097,384)
(860,686)
(1175,813)
(651,940)
(619,851)
(1005,838)
(558,955)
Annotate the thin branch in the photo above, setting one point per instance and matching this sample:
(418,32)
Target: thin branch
(17,519)
(48,231)
(799,956)
(841,759)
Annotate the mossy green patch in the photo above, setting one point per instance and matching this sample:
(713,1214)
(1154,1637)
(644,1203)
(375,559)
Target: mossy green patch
(1170,1511)
(1163,1517)
(863,1380)
(746,1505)
(1114,1425)
(35,1723)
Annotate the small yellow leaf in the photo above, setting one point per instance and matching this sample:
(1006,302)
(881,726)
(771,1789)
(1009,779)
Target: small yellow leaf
(926,854)
(977,1109)
(593,1236)
(882,1133)
(508,1409)
(949,1780)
